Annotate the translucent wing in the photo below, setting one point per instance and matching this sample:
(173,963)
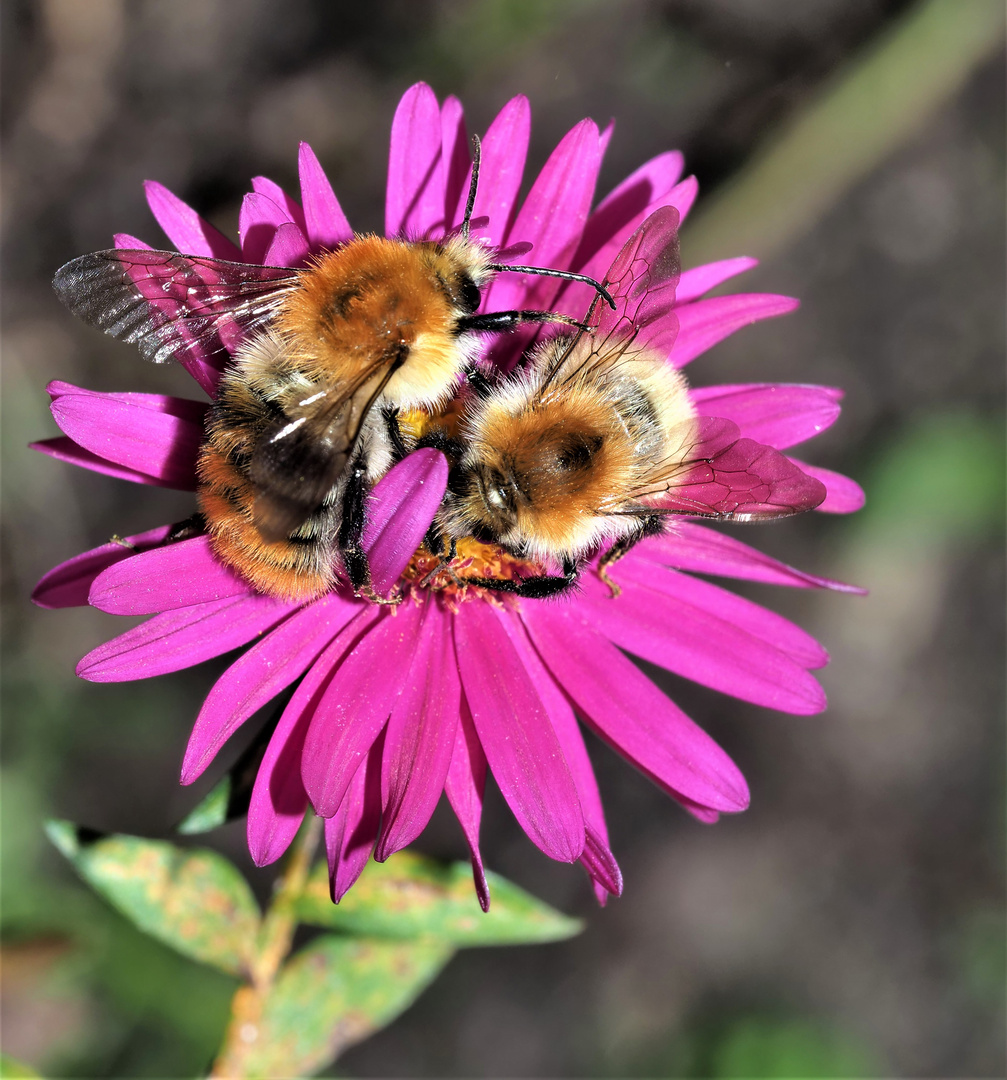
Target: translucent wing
(716,473)
(174,307)
(642,281)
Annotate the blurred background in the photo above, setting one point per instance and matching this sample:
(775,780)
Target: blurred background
(851,922)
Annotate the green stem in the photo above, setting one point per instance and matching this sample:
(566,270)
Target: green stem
(276,934)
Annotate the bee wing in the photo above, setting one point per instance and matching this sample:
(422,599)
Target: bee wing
(642,281)
(295,466)
(174,307)
(718,474)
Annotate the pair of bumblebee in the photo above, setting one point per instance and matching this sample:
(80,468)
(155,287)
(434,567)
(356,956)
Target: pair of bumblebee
(372,351)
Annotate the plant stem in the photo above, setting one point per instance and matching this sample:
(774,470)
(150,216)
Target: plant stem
(275,936)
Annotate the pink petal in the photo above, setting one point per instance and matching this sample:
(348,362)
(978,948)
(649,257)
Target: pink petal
(415,199)
(777,414)
(68,584)
(704,551)
(455,161)
(179,639)
(190,234)
(143,440)
(325,222)
(260,673)
(174,576)
(629,712)
(262,185)
(420,736)
(405,501)
(67,450)
(552,218)
(184,408)
(355,707)
(351,832)
(596,858)
(683,195)
(698,644)
(289,247)
(845,496)
(464,787)
(705,322)
(504,152)
(625,207)
(520,744)
(130,243)
(258,221)
(278,797)
(701,279)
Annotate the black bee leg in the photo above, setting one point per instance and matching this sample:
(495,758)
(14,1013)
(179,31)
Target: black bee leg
(186,530)
(399,448)
(534,588)
(648,526)
(481,386)
(351,532)
(499,321)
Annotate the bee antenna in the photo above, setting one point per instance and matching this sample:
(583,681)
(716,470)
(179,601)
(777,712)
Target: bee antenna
(566,275)
(473,185)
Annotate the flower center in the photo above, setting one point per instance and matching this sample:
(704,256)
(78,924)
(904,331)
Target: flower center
(474,560)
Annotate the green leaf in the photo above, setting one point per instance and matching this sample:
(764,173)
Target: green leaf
(334,993)
(195,901)
(212,811)
(410,896)
(10,1067)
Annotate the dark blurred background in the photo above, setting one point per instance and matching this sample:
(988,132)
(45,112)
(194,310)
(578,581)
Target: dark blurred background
(851,922)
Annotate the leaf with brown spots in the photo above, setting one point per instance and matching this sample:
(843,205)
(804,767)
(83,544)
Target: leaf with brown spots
(193,900)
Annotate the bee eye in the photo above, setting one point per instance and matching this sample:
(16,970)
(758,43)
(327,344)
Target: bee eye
(471,296)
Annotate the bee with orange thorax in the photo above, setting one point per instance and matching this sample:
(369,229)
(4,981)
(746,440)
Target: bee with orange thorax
(593,443)
(299,430)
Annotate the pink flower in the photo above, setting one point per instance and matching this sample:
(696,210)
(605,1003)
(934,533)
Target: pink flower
(394,706)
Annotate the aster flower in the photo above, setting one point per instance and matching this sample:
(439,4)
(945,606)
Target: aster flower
(394,706)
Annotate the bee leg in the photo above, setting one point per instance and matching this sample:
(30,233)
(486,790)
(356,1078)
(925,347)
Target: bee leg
(500,321)
(534,588)
(399,448)
(351,531)
(648,526)
(186,530)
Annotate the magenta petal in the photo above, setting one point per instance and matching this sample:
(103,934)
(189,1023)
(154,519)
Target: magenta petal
(455,161)
(130,243)
(278,796)
(415,199)
(625,207)
(64,449)
(504,151)
(704,551)
(190,234)
(777,414)
(178,639)
(514,729)
(682,196)
(464,787)
(628,711)
(420,736)
(356,705)
(705,322)
(258,221)
(844,496)
(701,279)
(260,673)
(141,439)
(596,858)
(325,222)
(706,646)
(68,584)
(174,576)
(184,408)
(405,501)
(351,832)
(262,185)
(289,247)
